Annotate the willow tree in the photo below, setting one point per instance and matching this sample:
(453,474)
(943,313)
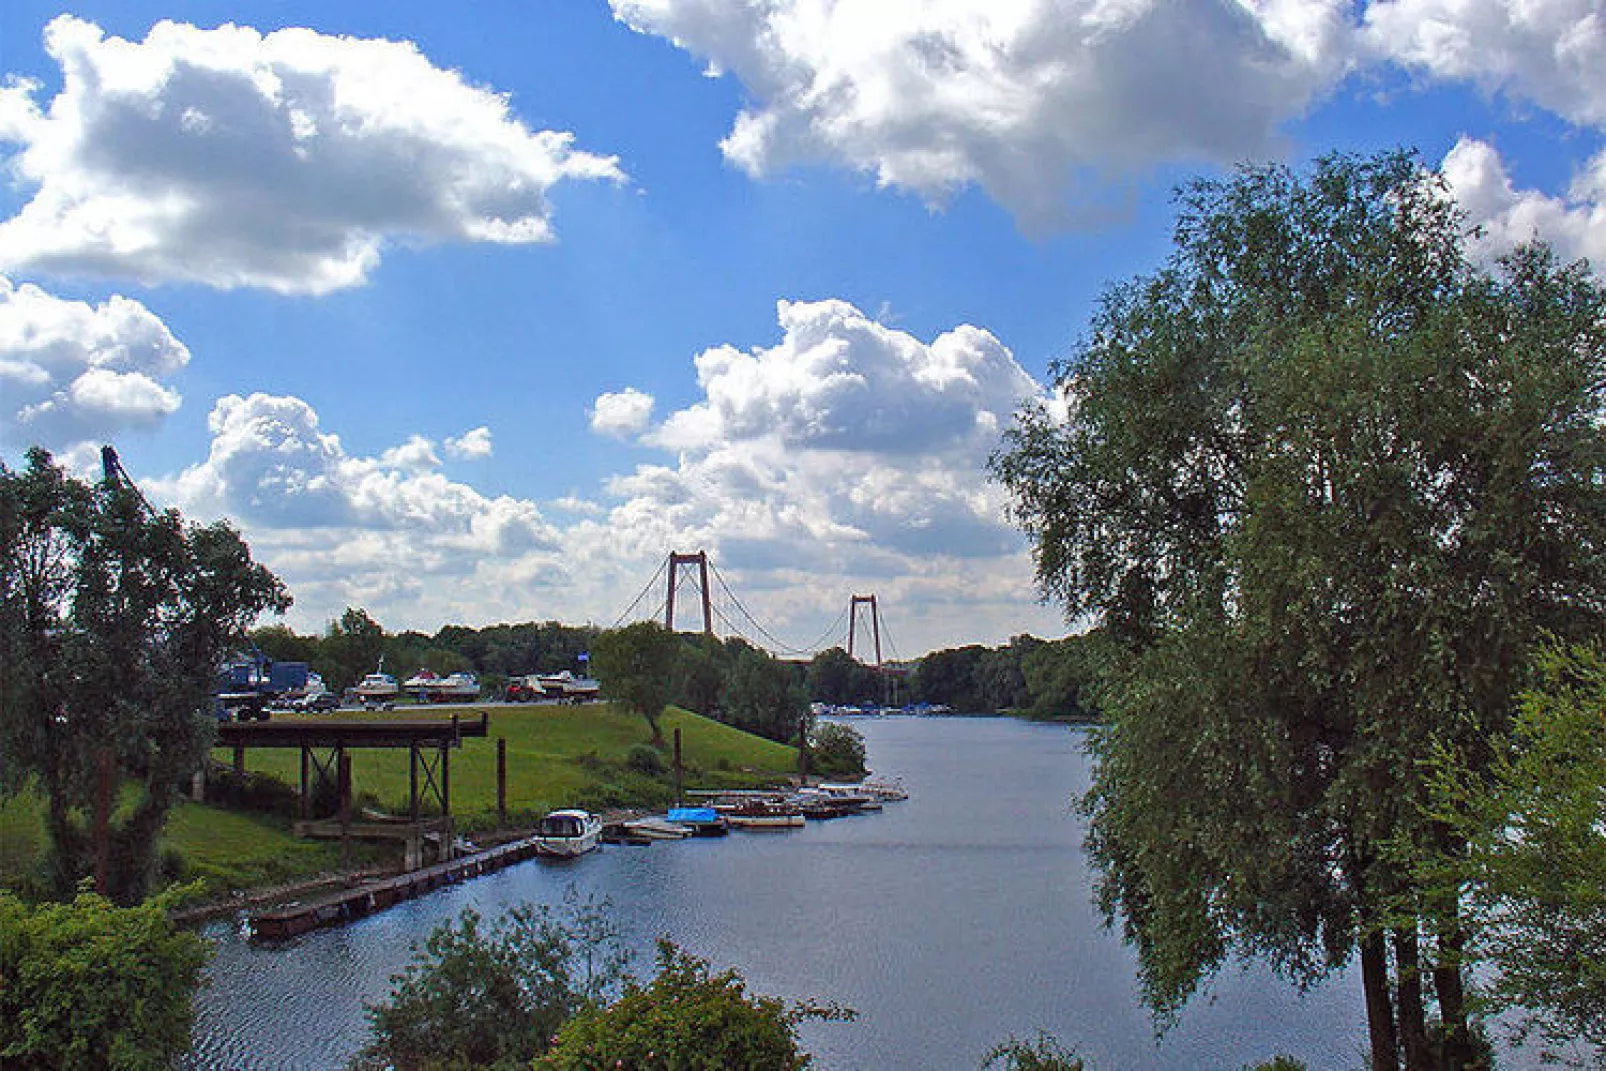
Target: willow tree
(113,619)
(1327,482)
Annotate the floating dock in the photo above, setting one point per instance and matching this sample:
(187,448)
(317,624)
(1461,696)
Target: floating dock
(332,909)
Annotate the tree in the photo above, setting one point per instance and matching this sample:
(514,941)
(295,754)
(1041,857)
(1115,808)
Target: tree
(113,621)
(493,997)
(353,646)
(1531,852)
(837,677)
(686,1019)
(1325,483)
(88,985)
(634,665)
(763,695)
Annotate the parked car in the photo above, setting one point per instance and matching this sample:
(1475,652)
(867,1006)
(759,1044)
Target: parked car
(321,703)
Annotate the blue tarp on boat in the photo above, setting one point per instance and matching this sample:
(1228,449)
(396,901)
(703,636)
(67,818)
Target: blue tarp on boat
(692,815)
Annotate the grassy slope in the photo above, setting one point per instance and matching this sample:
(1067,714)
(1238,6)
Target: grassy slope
(556,757)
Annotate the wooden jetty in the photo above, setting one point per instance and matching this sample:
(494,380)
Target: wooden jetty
(332,909)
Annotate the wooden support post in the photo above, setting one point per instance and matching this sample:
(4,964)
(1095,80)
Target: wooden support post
(678,769)
(501,781)
(103,820)
(446,783)
(239,760)
(306,790)
(343,779)
(412,778)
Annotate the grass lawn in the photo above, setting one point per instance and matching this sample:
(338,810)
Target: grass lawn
(224,849)
(557,756)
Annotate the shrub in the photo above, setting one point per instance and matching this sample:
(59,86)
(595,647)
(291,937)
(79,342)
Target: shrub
(646,759)
(686,1019)
(1278,1063)
(492,997)
(836,750)
(88,985)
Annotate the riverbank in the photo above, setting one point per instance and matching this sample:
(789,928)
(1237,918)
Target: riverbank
(557,756)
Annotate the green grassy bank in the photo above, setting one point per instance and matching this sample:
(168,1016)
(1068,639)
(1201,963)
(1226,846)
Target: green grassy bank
(557,756)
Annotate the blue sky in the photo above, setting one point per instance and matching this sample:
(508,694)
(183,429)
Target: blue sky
(473,313)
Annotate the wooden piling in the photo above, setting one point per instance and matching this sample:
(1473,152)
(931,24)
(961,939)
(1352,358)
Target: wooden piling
(501,781)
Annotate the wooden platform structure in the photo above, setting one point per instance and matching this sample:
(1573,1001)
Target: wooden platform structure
(332,909)
(324,744)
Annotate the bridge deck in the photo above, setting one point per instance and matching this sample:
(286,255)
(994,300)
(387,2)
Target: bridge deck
(351,732)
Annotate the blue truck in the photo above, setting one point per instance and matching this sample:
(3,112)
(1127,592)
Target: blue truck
(248,684)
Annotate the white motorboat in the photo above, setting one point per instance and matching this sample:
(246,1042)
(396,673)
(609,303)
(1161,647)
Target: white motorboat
(378,686)
(568,833)
(654,828)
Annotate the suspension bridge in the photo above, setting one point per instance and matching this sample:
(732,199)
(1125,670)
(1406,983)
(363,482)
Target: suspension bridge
(690,586)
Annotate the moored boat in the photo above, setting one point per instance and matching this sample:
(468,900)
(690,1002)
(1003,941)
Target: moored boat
(761,813)
(702,821)
(568,833)
(654,828)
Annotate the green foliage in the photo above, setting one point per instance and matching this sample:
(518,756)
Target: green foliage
(634,665)
(1278,1063)
(838,678)
(836,750)
(686,1019)
(478,997)
(1530,848)
(762,695)
(1043,1054)
(1062,676)
(646,759)
(976,679)
(1325,483)
(88,985)
(112,622)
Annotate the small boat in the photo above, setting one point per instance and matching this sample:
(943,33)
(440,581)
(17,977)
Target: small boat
(654,828)
(702,821)
(568,833)
(378,686)
(759,813)
(427,687)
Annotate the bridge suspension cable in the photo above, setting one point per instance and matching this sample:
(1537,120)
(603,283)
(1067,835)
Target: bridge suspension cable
(642,595)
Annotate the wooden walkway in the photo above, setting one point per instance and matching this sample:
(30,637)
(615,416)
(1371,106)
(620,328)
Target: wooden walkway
(332,909)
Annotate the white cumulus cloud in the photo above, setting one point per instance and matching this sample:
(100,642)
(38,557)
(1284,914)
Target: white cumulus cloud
(1574,224)
(72,372)
(849,455)
(286,160)
(385,532)
(1035,101)
(472,445)
(621,414)
(1550,52)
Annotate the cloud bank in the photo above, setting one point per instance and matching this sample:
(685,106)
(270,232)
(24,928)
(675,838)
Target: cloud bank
(287,161)
(1051,107)
(1027,100)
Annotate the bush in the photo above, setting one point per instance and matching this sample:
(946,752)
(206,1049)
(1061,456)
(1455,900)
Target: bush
(836,750)
(1278,1063)
(646,759)
(493,997)
(88,985)
(686,1019)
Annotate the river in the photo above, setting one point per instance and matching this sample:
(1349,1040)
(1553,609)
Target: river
(949,921)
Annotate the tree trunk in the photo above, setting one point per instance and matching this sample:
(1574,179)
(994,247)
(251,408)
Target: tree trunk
(1379,1008)
(1447,984)
(1408,997)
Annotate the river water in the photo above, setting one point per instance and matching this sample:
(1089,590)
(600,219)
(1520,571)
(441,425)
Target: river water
(950,922)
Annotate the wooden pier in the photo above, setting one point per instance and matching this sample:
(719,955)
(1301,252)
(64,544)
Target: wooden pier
(332,909)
